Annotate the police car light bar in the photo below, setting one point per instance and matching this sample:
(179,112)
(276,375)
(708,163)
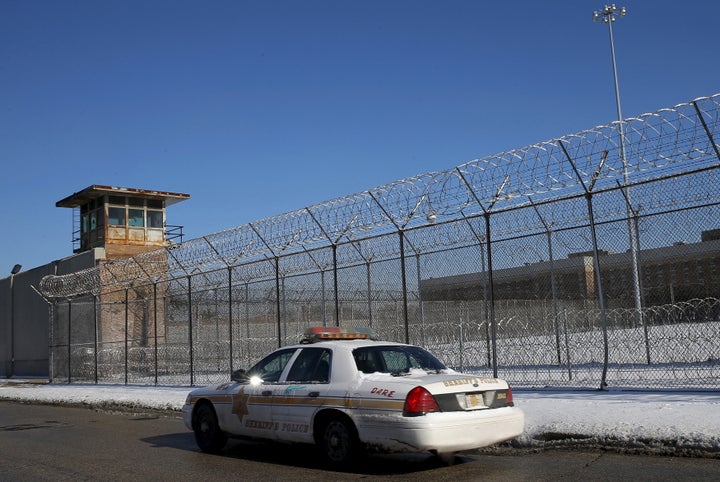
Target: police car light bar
(318,333)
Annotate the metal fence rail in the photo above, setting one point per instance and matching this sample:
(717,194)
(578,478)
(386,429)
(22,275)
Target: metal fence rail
(556,264)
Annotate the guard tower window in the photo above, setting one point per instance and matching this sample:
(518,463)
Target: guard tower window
(154,218)
(135,212)
(116,216)
(91,218)
(136,218)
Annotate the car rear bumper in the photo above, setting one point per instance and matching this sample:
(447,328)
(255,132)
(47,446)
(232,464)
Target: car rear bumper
(442,432)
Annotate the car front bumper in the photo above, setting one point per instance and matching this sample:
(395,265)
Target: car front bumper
(187,415)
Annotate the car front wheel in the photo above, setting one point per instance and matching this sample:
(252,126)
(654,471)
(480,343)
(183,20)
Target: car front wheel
(208,435)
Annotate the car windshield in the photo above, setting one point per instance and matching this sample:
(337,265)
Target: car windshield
(395,359)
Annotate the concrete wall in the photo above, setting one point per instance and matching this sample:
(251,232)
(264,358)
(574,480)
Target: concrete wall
(25,318)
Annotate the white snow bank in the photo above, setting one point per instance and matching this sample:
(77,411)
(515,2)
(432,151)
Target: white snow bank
(657,421)
(667,422)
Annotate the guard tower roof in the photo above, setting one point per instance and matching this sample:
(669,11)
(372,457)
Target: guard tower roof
(95,191)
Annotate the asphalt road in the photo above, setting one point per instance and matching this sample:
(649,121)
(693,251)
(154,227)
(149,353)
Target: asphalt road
(41,442)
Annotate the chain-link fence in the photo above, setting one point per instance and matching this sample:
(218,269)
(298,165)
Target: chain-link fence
(558,264)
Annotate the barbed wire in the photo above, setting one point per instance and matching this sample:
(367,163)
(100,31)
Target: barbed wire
(668,143)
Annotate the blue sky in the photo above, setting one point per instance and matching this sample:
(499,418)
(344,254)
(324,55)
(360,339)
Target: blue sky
(257,108)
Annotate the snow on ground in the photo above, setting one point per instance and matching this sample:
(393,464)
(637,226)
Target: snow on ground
(664,422)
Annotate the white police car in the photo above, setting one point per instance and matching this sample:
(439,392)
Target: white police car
(348,394)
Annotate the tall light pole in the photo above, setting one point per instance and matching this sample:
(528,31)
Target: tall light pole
(608,15)
(16,269)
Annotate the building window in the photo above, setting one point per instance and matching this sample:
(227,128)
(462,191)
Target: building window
(134,212)
(154,219)
(136,218)
(116,216)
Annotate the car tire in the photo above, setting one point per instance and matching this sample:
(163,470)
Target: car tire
(208,435)
(339,442)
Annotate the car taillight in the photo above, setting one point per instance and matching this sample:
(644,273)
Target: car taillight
(508,398)
(419,402)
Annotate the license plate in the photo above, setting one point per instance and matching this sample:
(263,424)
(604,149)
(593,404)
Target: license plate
(473,401)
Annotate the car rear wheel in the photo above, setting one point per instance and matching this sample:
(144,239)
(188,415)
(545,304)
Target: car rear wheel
(339,442)
(208,435)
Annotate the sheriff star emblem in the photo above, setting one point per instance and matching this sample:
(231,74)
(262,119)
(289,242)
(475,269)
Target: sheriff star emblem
(239,403)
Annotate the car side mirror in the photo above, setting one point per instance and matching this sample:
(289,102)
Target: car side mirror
(239,376)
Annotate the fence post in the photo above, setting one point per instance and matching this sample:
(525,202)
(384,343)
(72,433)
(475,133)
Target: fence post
(553,286)
(486,215)
(127,329)
(12,323)
(596,256)
(493,322)
(335,284)
(369,293)
(633,227)
(283,304)
(52,317)
(69,342)
(368,281)
(247,323)
(278,306)
(230,317)
(95,337)
(553,289)
(322,297)
(567,345)
(486,307)
(155,331)
(462,346)
(420,300)
(404,285)
(190,332)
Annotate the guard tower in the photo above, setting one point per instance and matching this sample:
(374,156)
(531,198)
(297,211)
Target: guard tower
(124,221)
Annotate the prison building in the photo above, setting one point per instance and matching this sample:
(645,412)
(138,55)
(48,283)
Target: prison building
(668,274)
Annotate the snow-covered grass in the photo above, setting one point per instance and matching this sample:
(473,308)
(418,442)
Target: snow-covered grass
(666,422)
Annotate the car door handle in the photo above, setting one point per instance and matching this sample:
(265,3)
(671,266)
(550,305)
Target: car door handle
(267,393)
(314,394)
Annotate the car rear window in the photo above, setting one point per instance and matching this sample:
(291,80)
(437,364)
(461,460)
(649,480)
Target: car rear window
(395,359)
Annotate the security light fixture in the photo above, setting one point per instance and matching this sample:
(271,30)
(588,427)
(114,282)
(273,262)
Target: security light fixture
(608,13)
